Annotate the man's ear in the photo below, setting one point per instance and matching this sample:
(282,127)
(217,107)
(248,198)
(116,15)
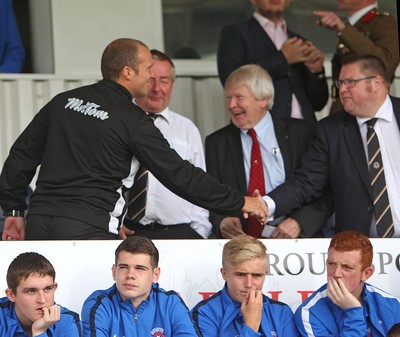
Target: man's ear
(127,72)
(223,273)
(10,294)
(156,274)
(367,273)
(114,271)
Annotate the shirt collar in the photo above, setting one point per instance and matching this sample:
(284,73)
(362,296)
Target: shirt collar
(165,114)
(261,126)
(266,23)
(360,13)
(385,112)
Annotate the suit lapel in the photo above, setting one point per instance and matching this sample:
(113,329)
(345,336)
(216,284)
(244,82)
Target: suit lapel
(356,149)
(260,33)
(236,153)
(281,135)
(396,109)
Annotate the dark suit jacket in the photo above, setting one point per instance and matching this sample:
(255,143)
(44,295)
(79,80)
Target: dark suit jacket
(336,157)
(224,159)
(248,43)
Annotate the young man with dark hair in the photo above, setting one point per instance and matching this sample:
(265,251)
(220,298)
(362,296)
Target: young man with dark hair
(135,305)
(29,308)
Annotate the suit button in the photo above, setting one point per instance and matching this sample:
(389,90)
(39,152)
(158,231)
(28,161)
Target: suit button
(369,208)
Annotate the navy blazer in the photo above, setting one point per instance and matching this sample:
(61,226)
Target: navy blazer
(224,159)
(248,43)
(335,158)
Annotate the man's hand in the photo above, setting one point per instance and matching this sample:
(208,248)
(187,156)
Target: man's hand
(255,206)
(329,20)
(287,229)
(295,50)
(230,227)
(251,309)
(315,58)
(14,228)
(338,293)
(124,232)
(50,316)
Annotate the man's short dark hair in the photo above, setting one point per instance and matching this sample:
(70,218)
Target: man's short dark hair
(118,54)
(26,264)
(139,245)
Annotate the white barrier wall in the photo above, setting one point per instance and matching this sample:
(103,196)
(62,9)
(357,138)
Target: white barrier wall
(191,267)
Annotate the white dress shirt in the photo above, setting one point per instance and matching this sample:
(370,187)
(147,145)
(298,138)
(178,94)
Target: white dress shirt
(163,206)
(388,133)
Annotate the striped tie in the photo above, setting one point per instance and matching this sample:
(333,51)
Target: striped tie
(383,215)
(137,196)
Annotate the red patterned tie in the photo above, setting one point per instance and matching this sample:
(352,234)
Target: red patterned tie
(254,227)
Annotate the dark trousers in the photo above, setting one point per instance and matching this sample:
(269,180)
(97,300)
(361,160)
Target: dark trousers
(158,231)
(45,227)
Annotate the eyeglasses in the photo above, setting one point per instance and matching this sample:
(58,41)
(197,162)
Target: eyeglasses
(350,83)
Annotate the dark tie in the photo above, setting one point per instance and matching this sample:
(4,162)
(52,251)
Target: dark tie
(383,215)
(256,181)
(137,196)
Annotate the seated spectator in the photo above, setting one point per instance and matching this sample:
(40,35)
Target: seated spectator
(240,308)
(29,308)
(166,215)
(135,305)
(347,305)
(11,49)
(281,144)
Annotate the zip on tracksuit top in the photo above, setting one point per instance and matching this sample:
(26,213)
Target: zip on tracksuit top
(220,316)
(163,314)
(318,316)
(69,324)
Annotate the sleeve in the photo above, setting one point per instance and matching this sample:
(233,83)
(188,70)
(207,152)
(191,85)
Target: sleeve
(205,321)
(13,55)
(308,181)
(73,326)
(316,88)
(181,322)
(181,177)
(96,319)
(382,41)
(314,323)
(289,328)
(20,166)
(199,216)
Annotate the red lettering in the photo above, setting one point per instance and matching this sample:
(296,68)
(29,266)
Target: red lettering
(304,294)
(206,294)
(275,295)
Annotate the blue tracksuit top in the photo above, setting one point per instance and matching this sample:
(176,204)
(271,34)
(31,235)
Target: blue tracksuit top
(220,316)
(319,316)
(69,324)
(163,314)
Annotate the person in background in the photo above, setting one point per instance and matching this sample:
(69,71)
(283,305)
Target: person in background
(240,308)
(250,97)
(135,305)
(168,216)
(343,157)
(29,308)
(90,142)
(347,305)
(294,63)
(12,52)
(366,31)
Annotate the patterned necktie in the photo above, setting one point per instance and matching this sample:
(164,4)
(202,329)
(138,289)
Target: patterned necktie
(138,196)
(383,215)
(254,227)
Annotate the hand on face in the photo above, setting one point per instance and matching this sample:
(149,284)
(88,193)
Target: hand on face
(51,315)
(340,295)
(252,309)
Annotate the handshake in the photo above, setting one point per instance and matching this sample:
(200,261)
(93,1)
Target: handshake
(255,206)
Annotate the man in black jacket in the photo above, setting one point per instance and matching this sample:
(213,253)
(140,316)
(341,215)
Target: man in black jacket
(90,142)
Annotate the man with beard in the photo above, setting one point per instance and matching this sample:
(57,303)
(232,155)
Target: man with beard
(294,63)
